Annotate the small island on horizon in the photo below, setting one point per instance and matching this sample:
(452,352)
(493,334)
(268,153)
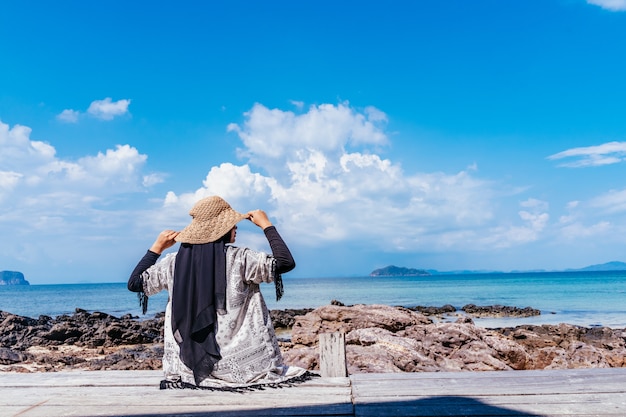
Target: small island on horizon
(398,271)
(12,278)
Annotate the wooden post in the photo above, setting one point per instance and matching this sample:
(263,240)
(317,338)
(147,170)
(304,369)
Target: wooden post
(333,355)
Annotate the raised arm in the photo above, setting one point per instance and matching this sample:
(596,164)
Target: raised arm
(164,241)
(280,251)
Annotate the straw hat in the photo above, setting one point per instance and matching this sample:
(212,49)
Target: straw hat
(212,218)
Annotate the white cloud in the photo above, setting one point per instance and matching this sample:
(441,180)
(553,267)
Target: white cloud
(577,230)
(298,104)
(68,217)
(18,151)
(605,154)
(326,181)
(68,116)
(534,222)
(598,217)
(611,202)
(533,203)
(8,181)
(153,179)
(274,133)
(613,5)
(107,109)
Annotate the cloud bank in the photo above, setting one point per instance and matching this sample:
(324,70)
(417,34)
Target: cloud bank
(54,209)
(613,5)
(322,175)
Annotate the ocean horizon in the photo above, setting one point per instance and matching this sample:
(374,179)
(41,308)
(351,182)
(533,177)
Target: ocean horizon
(588,299)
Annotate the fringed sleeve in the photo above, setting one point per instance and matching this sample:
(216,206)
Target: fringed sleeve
(135,282)
(283,260)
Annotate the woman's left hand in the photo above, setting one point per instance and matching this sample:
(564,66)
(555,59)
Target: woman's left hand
(164,241)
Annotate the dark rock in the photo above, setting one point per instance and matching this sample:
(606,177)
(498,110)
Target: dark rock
(434,311)
(500,311)
(8,356)
(284,319)
(61,332)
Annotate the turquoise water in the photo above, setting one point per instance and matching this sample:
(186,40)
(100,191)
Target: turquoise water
(581,298)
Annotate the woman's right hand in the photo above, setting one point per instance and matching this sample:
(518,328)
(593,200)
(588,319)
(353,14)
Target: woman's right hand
(164,241)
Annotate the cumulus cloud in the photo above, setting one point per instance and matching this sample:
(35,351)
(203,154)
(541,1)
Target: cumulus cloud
(274,133)
(34,180)
(69,116)
(18,151)
(322,173)
(108,109)
(605,154)
(613,5)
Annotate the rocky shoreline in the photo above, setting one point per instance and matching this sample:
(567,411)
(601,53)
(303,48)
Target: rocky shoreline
(378,339)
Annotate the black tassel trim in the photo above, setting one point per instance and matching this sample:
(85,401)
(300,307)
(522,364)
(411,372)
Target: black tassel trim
(280,290)
(143,301)
(307,376)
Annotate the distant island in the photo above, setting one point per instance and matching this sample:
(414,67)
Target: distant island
(609,266)
(12,278)
(397,271)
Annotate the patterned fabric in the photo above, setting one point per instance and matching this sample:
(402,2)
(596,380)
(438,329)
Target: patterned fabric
(245,334)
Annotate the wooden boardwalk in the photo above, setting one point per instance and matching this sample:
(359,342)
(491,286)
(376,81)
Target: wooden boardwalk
(582,392)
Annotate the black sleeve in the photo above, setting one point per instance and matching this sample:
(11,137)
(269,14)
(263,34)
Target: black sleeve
(135,282)
(280,251)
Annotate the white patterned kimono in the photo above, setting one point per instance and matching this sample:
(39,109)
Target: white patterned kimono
(245,334)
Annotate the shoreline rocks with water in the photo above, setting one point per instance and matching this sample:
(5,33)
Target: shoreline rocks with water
(394,339)
(378,339)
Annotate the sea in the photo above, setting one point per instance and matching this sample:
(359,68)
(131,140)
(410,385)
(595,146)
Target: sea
(589,299)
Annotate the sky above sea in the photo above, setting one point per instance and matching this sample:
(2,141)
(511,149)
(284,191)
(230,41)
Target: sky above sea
(456,135)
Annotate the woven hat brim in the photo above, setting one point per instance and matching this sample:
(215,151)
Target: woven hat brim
(199,232)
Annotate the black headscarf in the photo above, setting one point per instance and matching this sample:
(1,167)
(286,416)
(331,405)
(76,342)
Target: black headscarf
(199,294)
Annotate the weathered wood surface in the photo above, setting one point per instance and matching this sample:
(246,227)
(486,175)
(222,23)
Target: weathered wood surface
(137,393)
(582,392)
(332,347)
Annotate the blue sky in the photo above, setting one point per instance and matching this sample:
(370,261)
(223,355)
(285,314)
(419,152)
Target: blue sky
(427,134)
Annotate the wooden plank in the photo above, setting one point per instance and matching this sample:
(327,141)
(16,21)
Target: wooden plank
(415,388)
(333,355)
(587,392)
(123,393)
(489,383)
(515,393)
(597,405)
(543,373)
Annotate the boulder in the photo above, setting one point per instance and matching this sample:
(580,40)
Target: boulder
(333,318)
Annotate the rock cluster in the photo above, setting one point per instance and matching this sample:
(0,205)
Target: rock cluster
(500,311)
(394,339)
(378,339)
(285,319)
(84,340)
